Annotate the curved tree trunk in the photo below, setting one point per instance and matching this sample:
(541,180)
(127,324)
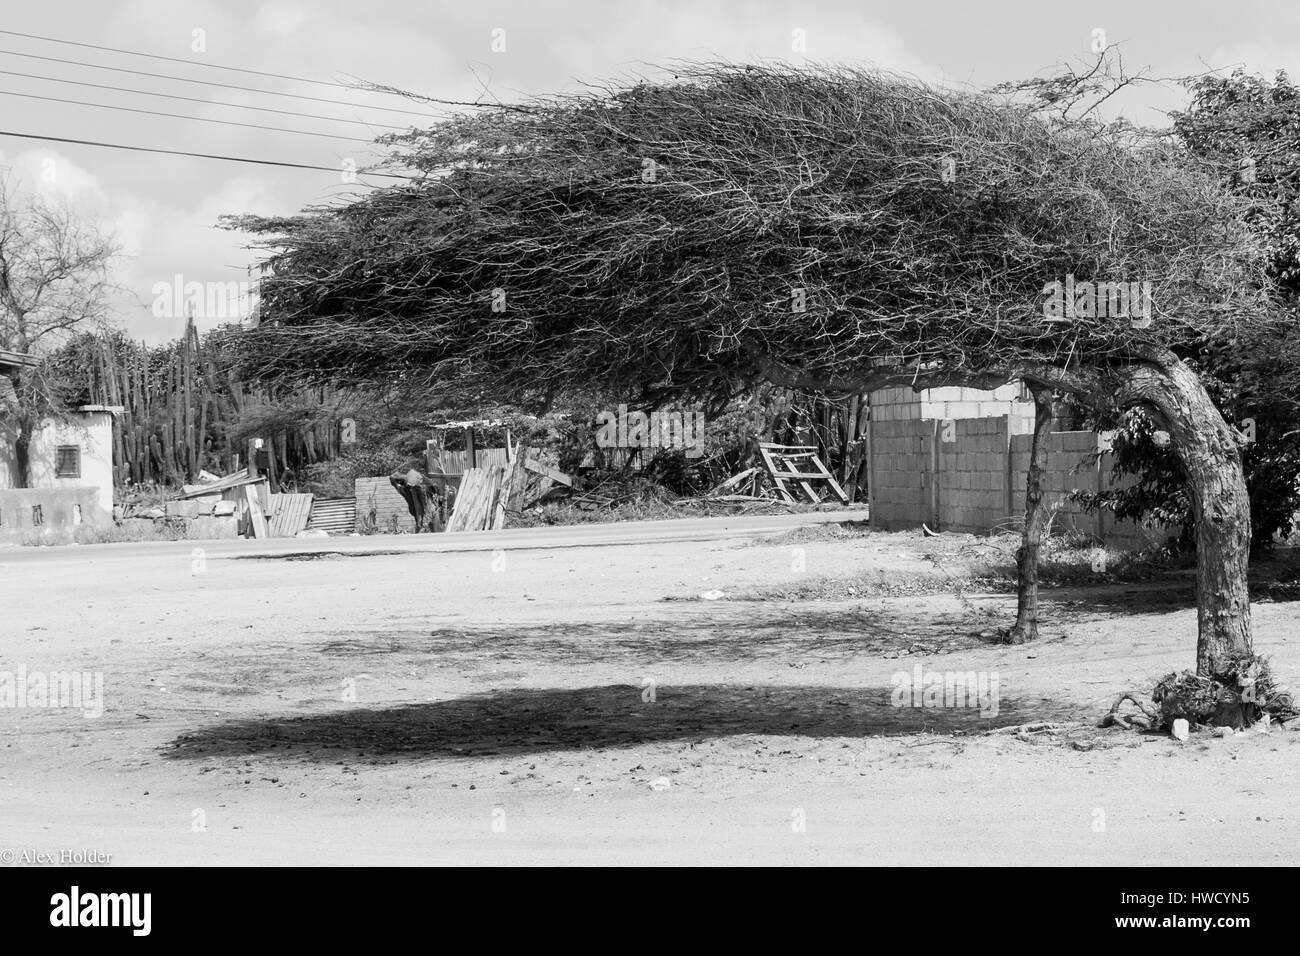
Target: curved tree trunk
(1026,626)
(1211,460)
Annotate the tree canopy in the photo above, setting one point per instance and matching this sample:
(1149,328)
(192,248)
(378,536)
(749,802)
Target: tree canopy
(810,226)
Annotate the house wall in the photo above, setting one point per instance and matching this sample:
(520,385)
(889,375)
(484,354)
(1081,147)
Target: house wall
(61,511)
(92,432)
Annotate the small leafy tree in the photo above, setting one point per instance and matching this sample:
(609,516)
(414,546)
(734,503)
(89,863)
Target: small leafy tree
(55,278)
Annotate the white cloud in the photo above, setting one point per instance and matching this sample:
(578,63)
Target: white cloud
(49,172)
(1254,58)
(283,19)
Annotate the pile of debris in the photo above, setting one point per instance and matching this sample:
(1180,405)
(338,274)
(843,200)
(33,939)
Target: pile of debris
(784,475)
(223,507)
(489,497)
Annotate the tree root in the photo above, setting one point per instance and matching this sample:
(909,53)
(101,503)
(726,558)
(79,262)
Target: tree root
(1150,716)
(1041,727)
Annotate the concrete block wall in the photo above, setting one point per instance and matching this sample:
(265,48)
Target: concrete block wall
(972,477)
(900,466)
(1067,470)
(975,483)
(1127,535)
(895,404)
(962,402)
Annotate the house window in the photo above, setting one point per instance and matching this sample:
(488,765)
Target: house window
(68,463)
(38,516)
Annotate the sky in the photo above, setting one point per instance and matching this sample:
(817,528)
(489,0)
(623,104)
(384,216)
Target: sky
(164,209)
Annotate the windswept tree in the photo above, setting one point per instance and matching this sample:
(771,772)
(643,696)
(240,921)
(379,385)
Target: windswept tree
(830,229)
(55,279)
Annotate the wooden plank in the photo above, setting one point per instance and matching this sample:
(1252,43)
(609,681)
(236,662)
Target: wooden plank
(815,475)
(256,517)
(465,496)
(289,514)
(518,479)
(788,472)
(514,484)
(548,472)
(770,465)
(487,513)
(733,481)
(475,506)
(830,480)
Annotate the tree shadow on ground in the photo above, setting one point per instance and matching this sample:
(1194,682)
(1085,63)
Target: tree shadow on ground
(1275,579)
(719,633)
(531,721)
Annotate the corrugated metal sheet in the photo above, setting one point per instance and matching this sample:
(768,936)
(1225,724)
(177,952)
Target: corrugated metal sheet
(237,480)
(457,462)
(335,515)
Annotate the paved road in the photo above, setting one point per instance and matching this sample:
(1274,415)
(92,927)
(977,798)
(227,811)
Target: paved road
(560,536)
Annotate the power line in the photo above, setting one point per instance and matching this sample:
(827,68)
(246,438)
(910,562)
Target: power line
(176,59)
(195,99)
(228,86)
(181,152)
(196,119)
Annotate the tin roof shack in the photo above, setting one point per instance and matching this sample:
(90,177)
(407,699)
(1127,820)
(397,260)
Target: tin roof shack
(70,463)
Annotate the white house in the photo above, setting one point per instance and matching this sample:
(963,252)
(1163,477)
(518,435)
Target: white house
(70,462)
(76,452)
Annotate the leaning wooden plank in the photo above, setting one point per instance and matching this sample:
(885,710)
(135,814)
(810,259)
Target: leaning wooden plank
(487,500)
(493,498)
(290,515)
(772,472)
(474,512)
(559,476)
(464,500)
(257,518)
(473,499)
(457,516)
(787,472)
(518,480)
(830,480)
(807,489)
(482,502)
(732,482)
(794,475)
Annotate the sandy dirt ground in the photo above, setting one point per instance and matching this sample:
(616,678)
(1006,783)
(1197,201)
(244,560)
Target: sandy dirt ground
(565,696)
